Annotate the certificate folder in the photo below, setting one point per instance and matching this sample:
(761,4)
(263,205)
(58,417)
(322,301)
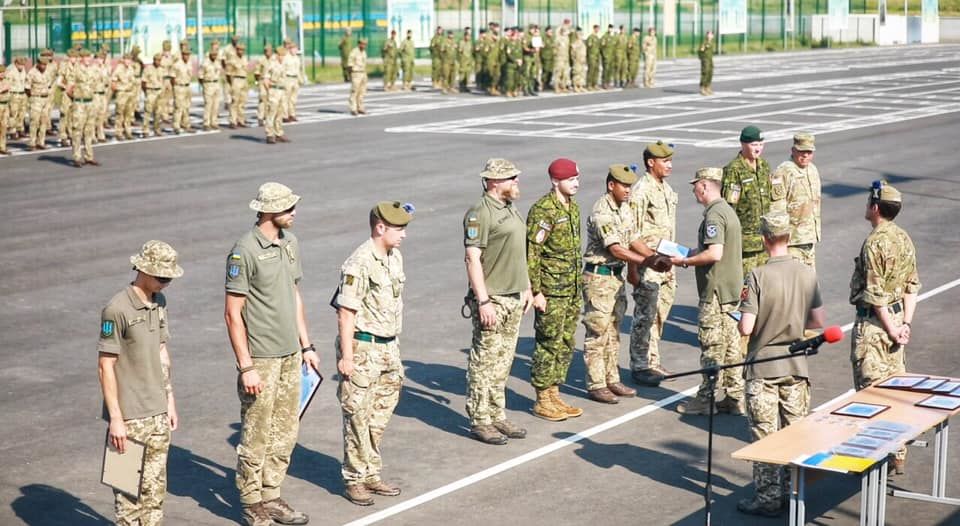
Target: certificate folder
(124,472)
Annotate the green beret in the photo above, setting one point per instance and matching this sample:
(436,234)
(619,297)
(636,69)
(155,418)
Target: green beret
(751,134)
(622,173)
(659,150)
(884,191)
(393,212)
(775,223)
(803,142)
(709,174)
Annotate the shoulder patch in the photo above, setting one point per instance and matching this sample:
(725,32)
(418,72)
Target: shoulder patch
(348,280)
(711,231)
(473,227)
(106,329)
(233,270)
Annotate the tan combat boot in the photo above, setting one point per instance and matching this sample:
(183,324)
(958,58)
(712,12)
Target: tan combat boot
(546,409)
(569,410)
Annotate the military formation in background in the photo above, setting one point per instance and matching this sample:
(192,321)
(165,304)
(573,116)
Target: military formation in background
(85,83)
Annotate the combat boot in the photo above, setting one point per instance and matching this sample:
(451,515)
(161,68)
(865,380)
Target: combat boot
(282,513)
(509,429)
(358,494)
(603,395)
(488,435)
(569,410)
(255,515)
(650,377)
(731,406)
(619,389)
(695,406)
(546,409)
(382,488)
(898,465)
(755,507)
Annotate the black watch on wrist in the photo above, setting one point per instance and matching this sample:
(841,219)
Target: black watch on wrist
(308,348)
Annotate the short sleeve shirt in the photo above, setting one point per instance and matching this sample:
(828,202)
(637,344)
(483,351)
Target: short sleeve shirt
(267,273)
(133,331)
(781,294)
(500,232)
(725,277)
(607,225)
(372,286)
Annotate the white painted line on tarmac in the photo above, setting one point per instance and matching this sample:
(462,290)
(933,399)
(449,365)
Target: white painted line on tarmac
(569,441)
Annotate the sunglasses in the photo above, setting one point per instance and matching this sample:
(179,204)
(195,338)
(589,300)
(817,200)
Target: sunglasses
(163,280)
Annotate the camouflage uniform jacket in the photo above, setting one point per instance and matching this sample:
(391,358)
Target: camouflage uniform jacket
(153,77)
(407,51)
(749,192)
(802,201)
(633,47)
(593,46)
(182,75)
(553,247)
(83,80)
(654,207)
(38,83)
(886,268)
(372,286)
(465,54)
(650,46)
(607,225)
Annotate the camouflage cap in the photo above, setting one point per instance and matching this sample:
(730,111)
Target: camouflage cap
(659,150)
(72,53)
(394,212)
(281,50)
(273,198)
(43,60)
(84,53)
(622,174)
(751,134)
(709,174)
(47,52)
(496,168)
(158,57)
(135,50)
(884,191)
(167,45)
(775,223)
(157,259)
(241,46)
(268,47)
(3,68)
(803,142)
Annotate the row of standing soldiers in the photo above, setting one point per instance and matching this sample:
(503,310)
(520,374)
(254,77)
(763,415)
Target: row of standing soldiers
(88,83)
(524,62)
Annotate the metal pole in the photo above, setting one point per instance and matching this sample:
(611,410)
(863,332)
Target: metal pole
(120,17)
(200,27)
(86,23)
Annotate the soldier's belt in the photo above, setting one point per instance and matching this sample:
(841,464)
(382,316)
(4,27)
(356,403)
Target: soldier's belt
(183,85)
(292,76)
(238,76)
(208,81)
(16,93)
(38,96)
(153,89)
(606,270)
(82,101)
(867,311)
(99,92)
(372,338)
(3,102)
(276,87)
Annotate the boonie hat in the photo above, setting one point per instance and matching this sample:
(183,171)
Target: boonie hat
(775,223)
(561,169)
(803,142)
(273,198)
(157,259)
(622,173)
(394,212)
(751,134)
(496,168)
(710,174)
(660,150)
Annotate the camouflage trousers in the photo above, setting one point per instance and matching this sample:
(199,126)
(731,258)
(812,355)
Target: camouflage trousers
(274,122)
(263,93)
(154,431)
(875,356)
(491,357)
(652,301)
(605,302)
(18,111)
(268,428)
(358,90)
(124,108)
(579,73)
(649,70)
(211,104)
(82,135)
(807,254)
(151,112)
(367,400)
(292,96)
(4,120)
(66,116)
(555,331)
(39,120)
(720,344)
(100,104)
(773,404)
(181,112)
(561,73)
(238,99)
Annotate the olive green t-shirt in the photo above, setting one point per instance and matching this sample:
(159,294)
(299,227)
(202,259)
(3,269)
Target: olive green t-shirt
(781,294)
(500,232)
(721,226)
(267,273)
(133,331)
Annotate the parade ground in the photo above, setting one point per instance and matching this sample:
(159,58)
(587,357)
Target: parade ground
(878,113)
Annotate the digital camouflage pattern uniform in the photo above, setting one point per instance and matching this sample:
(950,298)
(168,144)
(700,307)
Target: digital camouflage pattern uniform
(39,84)
(4,108)
(649,60)
(372,286)
(407,54)
(153,86)
(578,60)
(801,203)
(464,61)
(604,294)
(705,53)
(750,192)
(553,264)
(182,77)
(594,46)
(654,205)
(81,82)
(561,61)
(389,55)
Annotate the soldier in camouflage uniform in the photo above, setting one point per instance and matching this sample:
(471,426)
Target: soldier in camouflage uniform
(719,283)
(4,109)
(649,57)
(494,241)
(608,52)
(884,289)
(38,85)
(408,53)
(465,60)
(265,321)
(633,58)
(436,68)
(134,368)
(80,84)
(594,55)
(182,78)
(345,46)
(561,61)
(448,63)
(513,61)
(705,53)
(389,55)
(802,200)
(369,306)
(578,61)
(548,57)
(152,83)
(750,190)
(783,298)
(654,203)
(610,230)
(620,62)
(553,264)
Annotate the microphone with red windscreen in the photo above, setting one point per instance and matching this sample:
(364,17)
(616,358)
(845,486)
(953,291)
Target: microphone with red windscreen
(832,334)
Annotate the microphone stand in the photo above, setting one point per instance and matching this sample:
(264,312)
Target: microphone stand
(711,374)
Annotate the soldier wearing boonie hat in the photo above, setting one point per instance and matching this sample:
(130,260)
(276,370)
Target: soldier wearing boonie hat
(884,289)
(654,283)
(553,265)
(495,246)
(369,303)
(267,329)
(134,368)
(801,199)
(719,284)
(782,299)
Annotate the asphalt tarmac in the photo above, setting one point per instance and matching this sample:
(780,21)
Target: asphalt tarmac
(68,233)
